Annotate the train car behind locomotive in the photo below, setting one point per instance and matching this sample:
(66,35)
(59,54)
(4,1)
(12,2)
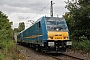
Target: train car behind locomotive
(48,34)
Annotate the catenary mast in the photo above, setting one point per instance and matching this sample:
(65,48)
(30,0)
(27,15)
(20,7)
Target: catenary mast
(51,9)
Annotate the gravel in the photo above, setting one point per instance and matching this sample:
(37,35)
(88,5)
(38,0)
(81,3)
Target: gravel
(79,54)
(31,54)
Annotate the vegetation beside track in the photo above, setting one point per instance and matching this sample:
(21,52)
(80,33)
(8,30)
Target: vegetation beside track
(8,49)
(6,34)
(84,45)
(78,21)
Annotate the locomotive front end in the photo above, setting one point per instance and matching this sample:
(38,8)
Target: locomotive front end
(58,35)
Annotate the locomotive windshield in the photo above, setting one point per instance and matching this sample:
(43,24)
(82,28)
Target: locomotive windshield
(56,24)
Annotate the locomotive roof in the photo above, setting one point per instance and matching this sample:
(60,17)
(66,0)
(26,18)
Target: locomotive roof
(47,18)
(50,18)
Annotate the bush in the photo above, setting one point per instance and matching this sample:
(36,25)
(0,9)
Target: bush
(82,45)
(1,55)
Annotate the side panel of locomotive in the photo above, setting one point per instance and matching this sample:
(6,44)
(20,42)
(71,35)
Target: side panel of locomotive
(34,35)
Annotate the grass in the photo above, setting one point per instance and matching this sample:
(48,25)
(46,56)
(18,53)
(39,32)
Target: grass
(82,45)
(9,51)
(1,55)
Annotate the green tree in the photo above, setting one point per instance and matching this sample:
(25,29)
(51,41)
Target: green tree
(21,26)
(5,25)
(16,30)
(80,16)
(6,32)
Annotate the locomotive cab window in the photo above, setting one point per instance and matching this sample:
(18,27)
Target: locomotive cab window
(56,24)
(39,25)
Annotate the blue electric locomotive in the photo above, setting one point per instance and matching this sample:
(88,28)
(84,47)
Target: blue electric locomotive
(48,34)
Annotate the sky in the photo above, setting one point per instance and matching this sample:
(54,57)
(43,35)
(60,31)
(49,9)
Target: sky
(26,10)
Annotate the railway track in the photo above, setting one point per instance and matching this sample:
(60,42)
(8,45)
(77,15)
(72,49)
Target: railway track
(73,57)
(61,56)
(66,55)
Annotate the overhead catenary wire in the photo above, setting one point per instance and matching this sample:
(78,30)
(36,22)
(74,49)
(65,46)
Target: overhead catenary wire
(37,5)
(40,11)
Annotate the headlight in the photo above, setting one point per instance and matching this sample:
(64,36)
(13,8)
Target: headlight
(68,43)
(65,37)
(50,43)
(50,37)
